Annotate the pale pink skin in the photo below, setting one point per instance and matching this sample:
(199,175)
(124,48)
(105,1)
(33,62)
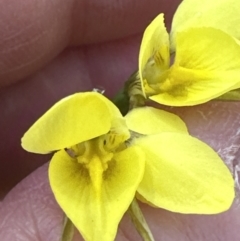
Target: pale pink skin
(36,70)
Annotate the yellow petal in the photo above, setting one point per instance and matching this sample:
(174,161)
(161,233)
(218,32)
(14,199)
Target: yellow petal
(149,120)
(96,209)
(221,14)
(155,47)
(183,174)
(74,119)
(207,65)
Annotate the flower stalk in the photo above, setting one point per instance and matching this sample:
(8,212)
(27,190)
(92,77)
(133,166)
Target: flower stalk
(139,221)
(68,230)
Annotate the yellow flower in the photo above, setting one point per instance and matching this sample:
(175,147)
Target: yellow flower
(103,159)
(206,63)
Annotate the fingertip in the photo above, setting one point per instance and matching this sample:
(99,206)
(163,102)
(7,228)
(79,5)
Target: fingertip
(29,211)
(34,32)
(100,21)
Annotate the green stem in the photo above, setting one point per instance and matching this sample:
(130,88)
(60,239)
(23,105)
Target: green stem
(233,95)
(139,221)
(68,230)
(121,100)
(131,96)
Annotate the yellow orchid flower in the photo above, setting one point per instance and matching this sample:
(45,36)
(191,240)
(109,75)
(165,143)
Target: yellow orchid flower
(221,14)
(206,64)
(103,159)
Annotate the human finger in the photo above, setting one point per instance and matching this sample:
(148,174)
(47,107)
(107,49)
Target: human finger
(34,32)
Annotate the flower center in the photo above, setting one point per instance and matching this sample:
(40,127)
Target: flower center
(154,72)
(96,155)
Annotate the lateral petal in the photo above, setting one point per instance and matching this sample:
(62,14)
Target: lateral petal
(96,207)
(183,174)
(149,120)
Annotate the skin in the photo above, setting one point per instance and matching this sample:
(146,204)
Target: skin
(50,49)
